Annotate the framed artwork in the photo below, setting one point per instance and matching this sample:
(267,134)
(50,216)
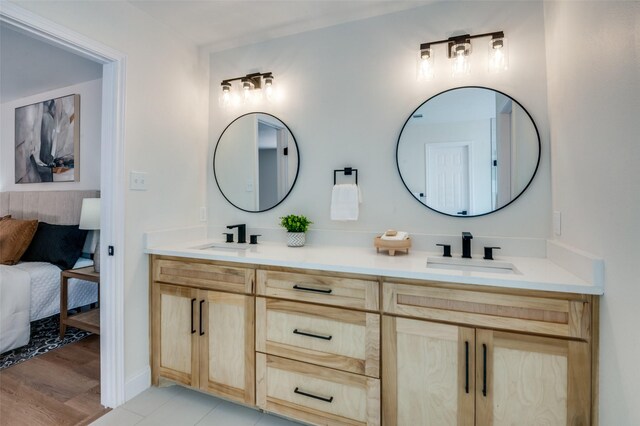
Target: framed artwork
(47,141)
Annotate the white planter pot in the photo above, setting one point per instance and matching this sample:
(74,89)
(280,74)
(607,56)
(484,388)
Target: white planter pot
(296,239)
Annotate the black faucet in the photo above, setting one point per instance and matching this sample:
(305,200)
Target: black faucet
(466,245)
(242,232)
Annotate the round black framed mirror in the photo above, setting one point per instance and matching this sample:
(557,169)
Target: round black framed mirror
(468,151)
(256,162)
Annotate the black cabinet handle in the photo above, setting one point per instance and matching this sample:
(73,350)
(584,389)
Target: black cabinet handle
(484,369)
(193,329)
(317,336)
(201,303)
(316,290)
(321,398)
(466,366)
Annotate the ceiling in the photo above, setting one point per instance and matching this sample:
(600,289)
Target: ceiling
(224,24)
(29,66)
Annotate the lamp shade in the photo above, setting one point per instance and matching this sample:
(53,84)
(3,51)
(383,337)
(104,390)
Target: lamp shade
(90,214)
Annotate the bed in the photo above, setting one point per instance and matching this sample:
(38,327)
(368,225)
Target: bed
(31,290)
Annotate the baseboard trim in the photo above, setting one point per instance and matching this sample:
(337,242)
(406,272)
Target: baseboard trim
(137,384)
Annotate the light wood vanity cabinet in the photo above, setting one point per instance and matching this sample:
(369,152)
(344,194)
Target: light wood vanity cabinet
(203,338)
(345,349)
(457,372)
(318,363)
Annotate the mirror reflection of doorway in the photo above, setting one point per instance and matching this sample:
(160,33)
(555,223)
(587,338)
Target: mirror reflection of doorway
(447,178)
(503,154)
(273,167)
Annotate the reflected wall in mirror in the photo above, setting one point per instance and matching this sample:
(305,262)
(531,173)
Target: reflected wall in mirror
(256,162)
(468,151)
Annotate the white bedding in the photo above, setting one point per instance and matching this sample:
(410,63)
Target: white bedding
(30,291)
(15,288)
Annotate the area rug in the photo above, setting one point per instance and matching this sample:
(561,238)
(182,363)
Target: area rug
(45,336)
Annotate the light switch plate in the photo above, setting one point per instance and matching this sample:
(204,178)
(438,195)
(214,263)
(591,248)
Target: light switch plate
(138,181)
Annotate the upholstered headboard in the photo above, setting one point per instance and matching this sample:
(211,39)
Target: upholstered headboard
(57,207)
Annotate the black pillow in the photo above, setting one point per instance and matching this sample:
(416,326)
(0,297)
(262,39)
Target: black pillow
(57,244)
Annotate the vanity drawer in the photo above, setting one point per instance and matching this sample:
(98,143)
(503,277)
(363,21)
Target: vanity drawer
(323,289)
(332,337)
(316,395)
(203,275)
(565,317)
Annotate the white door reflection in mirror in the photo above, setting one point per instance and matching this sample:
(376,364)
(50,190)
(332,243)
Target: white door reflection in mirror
(448,176)
(469,150)
(256,162)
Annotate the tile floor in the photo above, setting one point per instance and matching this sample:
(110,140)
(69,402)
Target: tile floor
(178,406)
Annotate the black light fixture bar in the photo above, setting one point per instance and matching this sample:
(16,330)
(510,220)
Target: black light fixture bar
(465,38)
(254,78)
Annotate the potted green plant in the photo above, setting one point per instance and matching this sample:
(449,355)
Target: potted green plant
(296,225)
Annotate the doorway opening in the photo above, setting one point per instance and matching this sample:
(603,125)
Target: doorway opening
(112,385)
(273,164)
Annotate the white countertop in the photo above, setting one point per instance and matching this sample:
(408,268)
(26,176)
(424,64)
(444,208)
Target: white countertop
(532,273)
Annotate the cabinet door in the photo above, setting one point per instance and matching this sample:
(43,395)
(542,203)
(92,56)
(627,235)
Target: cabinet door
(227,357)
(531,380)
(175,341)
(427,373)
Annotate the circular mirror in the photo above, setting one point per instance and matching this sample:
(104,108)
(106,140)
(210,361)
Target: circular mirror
(468,151)
(256,162)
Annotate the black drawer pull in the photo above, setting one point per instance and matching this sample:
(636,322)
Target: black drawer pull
(466,366)
(315,290)
(193,328)
(321,398)
(317,336)
(484,369)
(201,331)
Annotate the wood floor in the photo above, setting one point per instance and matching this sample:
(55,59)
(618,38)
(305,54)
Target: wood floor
(61,387)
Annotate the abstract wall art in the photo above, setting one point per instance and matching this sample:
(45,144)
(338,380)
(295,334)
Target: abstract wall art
(47,141)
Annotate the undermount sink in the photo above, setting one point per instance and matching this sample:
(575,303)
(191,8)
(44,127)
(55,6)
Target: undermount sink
(472,265)
(223,246)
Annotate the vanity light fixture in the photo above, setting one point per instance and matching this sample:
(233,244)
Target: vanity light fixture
(225,97)
(252,86)
(498,53)
(268,87)
(459,51)
(425,63)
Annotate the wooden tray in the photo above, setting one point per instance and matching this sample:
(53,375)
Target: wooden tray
(392,245)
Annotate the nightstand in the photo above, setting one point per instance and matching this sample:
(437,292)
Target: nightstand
(88,320)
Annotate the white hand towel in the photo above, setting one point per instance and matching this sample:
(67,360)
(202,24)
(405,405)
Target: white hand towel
(345,200)
(401,235)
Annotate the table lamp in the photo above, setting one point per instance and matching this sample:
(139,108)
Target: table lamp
(90,220)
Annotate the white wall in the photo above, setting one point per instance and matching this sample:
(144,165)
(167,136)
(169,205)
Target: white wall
(90,119)
(165,126)
(237,162)
(594,105)
(348,90)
